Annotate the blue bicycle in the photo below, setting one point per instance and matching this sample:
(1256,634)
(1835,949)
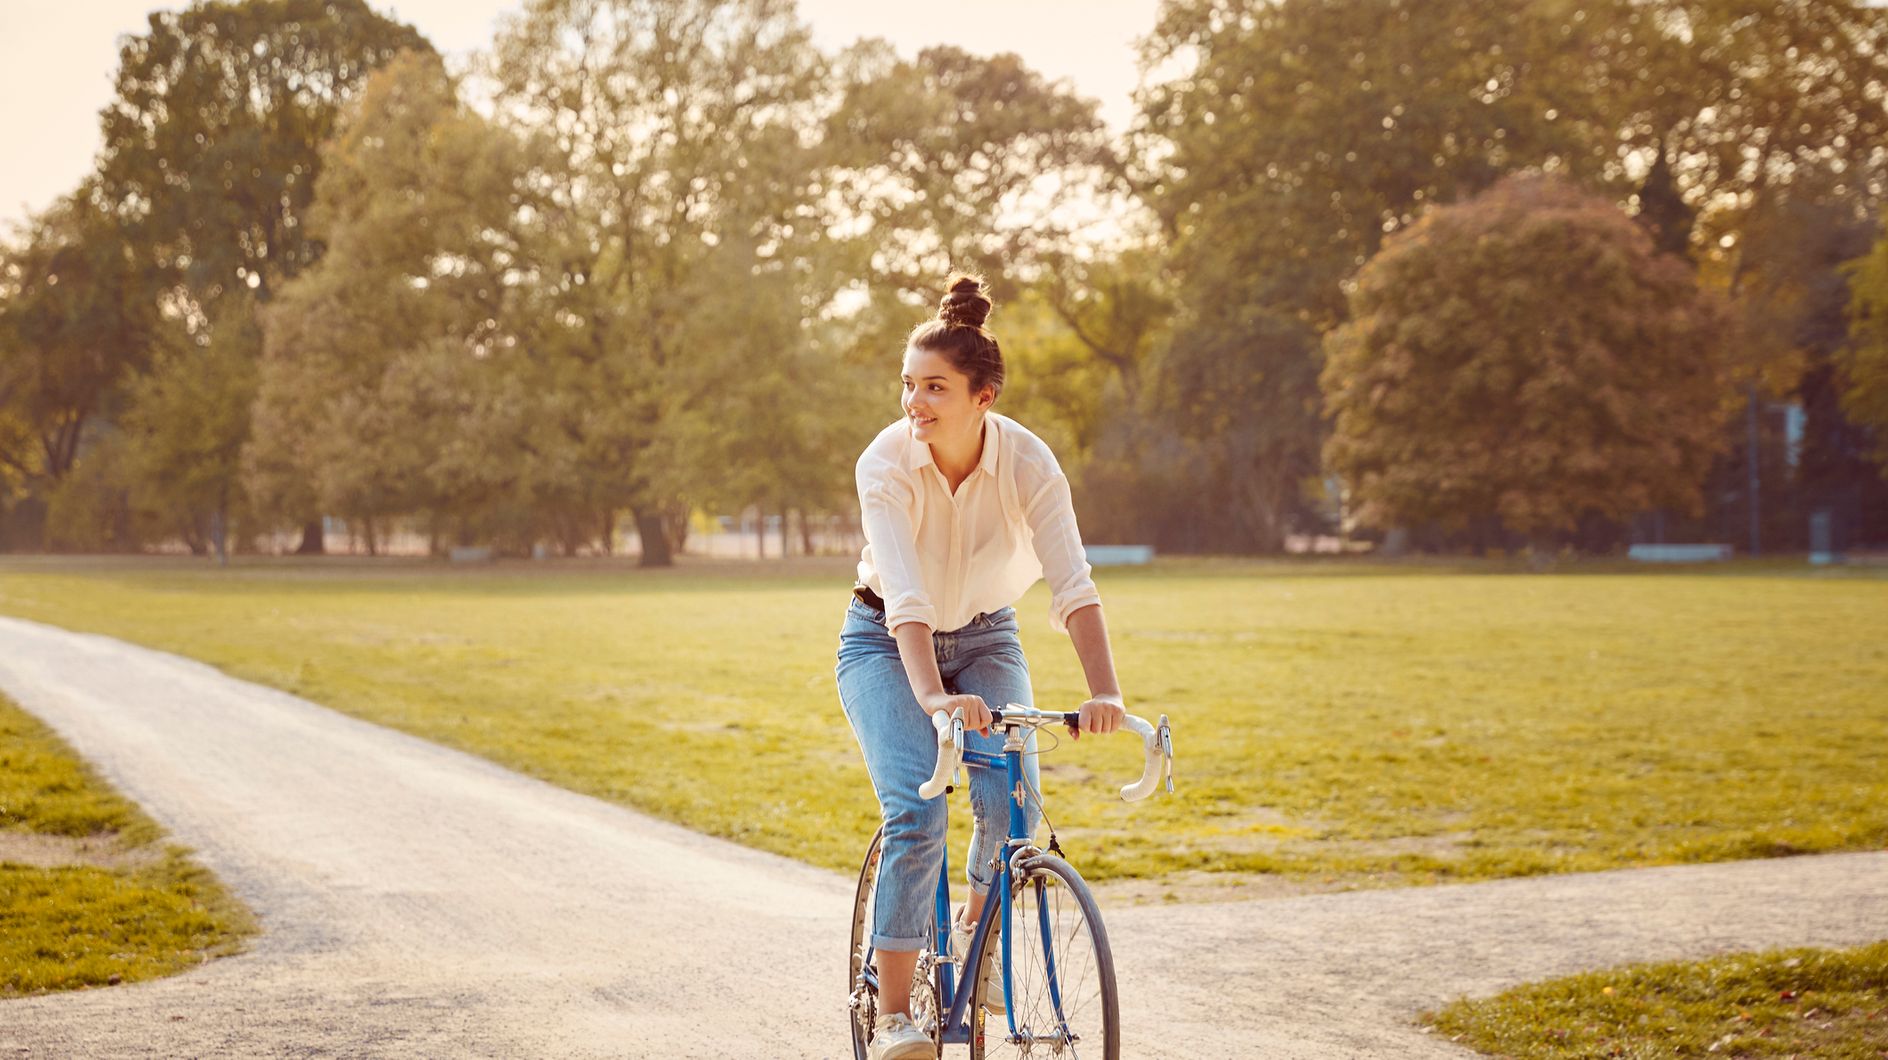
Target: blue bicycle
(1058,975)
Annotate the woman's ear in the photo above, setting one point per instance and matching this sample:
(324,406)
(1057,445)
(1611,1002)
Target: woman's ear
(986,397)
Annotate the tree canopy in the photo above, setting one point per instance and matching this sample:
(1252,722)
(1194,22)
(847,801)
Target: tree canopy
(667,263)
(73,328)
(1526,355)
(212,138)
(378,393)
(1283,140)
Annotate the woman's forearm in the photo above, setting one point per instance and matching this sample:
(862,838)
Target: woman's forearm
(918,651)
(1089,632)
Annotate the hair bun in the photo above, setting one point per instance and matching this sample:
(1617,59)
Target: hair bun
(965,304)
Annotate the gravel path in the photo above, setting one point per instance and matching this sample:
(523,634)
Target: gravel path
(416,901)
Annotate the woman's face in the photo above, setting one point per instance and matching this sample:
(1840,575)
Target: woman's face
(937,399)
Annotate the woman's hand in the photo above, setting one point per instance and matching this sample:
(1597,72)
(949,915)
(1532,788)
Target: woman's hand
(976,711)
(1101,714)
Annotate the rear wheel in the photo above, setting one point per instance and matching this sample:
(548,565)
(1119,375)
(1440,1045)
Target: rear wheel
(1062,1000)
(861,978)
(862,996)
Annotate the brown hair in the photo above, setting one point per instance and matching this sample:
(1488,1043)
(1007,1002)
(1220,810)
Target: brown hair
(958,333)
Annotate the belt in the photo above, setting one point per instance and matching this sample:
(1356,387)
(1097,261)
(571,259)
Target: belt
(868,597)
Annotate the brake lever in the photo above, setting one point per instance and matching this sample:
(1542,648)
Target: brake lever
(1166,751)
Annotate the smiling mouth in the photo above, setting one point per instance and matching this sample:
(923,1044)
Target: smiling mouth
(923,421)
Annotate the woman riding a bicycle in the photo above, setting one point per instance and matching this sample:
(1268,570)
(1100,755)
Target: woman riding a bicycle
(963,509)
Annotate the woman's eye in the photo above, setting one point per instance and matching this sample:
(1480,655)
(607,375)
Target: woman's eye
(935,388)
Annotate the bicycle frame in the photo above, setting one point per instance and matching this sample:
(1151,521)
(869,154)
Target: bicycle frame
(953,992)
(953,999)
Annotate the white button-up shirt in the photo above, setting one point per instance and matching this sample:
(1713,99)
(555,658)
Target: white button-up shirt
(941,558)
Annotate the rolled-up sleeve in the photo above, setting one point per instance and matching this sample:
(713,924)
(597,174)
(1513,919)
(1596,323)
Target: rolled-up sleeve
(1058,543)
(886,501)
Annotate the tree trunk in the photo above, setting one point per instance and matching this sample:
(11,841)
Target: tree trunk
(1663,210)
(1542,551)
(677,524)
(1395,541)
(806,534)
(23,525)
(1754,490)
(312,544)
(655,538)
(124,539)
(785,550)
(609,531)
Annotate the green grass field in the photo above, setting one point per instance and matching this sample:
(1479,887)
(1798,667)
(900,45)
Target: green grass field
(1337,724)
(1831,1004)
(89,895)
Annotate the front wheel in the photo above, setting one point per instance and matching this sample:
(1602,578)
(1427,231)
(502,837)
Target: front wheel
(1062,1000)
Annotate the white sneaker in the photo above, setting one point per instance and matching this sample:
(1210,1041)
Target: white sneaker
(895,1037)
(992,971)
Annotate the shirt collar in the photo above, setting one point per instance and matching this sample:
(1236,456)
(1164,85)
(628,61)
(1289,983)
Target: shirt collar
(919,454)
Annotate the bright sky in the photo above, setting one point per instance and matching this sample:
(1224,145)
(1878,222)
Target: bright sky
(57,58)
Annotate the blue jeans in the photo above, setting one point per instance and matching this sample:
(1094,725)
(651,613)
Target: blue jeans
(984,659)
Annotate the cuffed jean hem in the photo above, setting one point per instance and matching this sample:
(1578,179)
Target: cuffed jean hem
(894,945)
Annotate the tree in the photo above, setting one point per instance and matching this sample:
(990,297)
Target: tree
(1747,112)
(212,141)
(185,428)
(89,510)
(959,161)
(1115,304)
(1528,356)
(389,382)
(675,134)
(954,161)
(1723,102)
(212,145)
(1792,319)
(73,327)
(1290,139)
(1863,361)
(1337,121)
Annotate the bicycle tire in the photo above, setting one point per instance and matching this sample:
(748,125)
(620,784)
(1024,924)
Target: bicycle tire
(862,1004)
(1081,1017)
(857,993)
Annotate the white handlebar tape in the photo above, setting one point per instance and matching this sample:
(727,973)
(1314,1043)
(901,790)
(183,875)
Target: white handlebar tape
(950,751)
(1151,771)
